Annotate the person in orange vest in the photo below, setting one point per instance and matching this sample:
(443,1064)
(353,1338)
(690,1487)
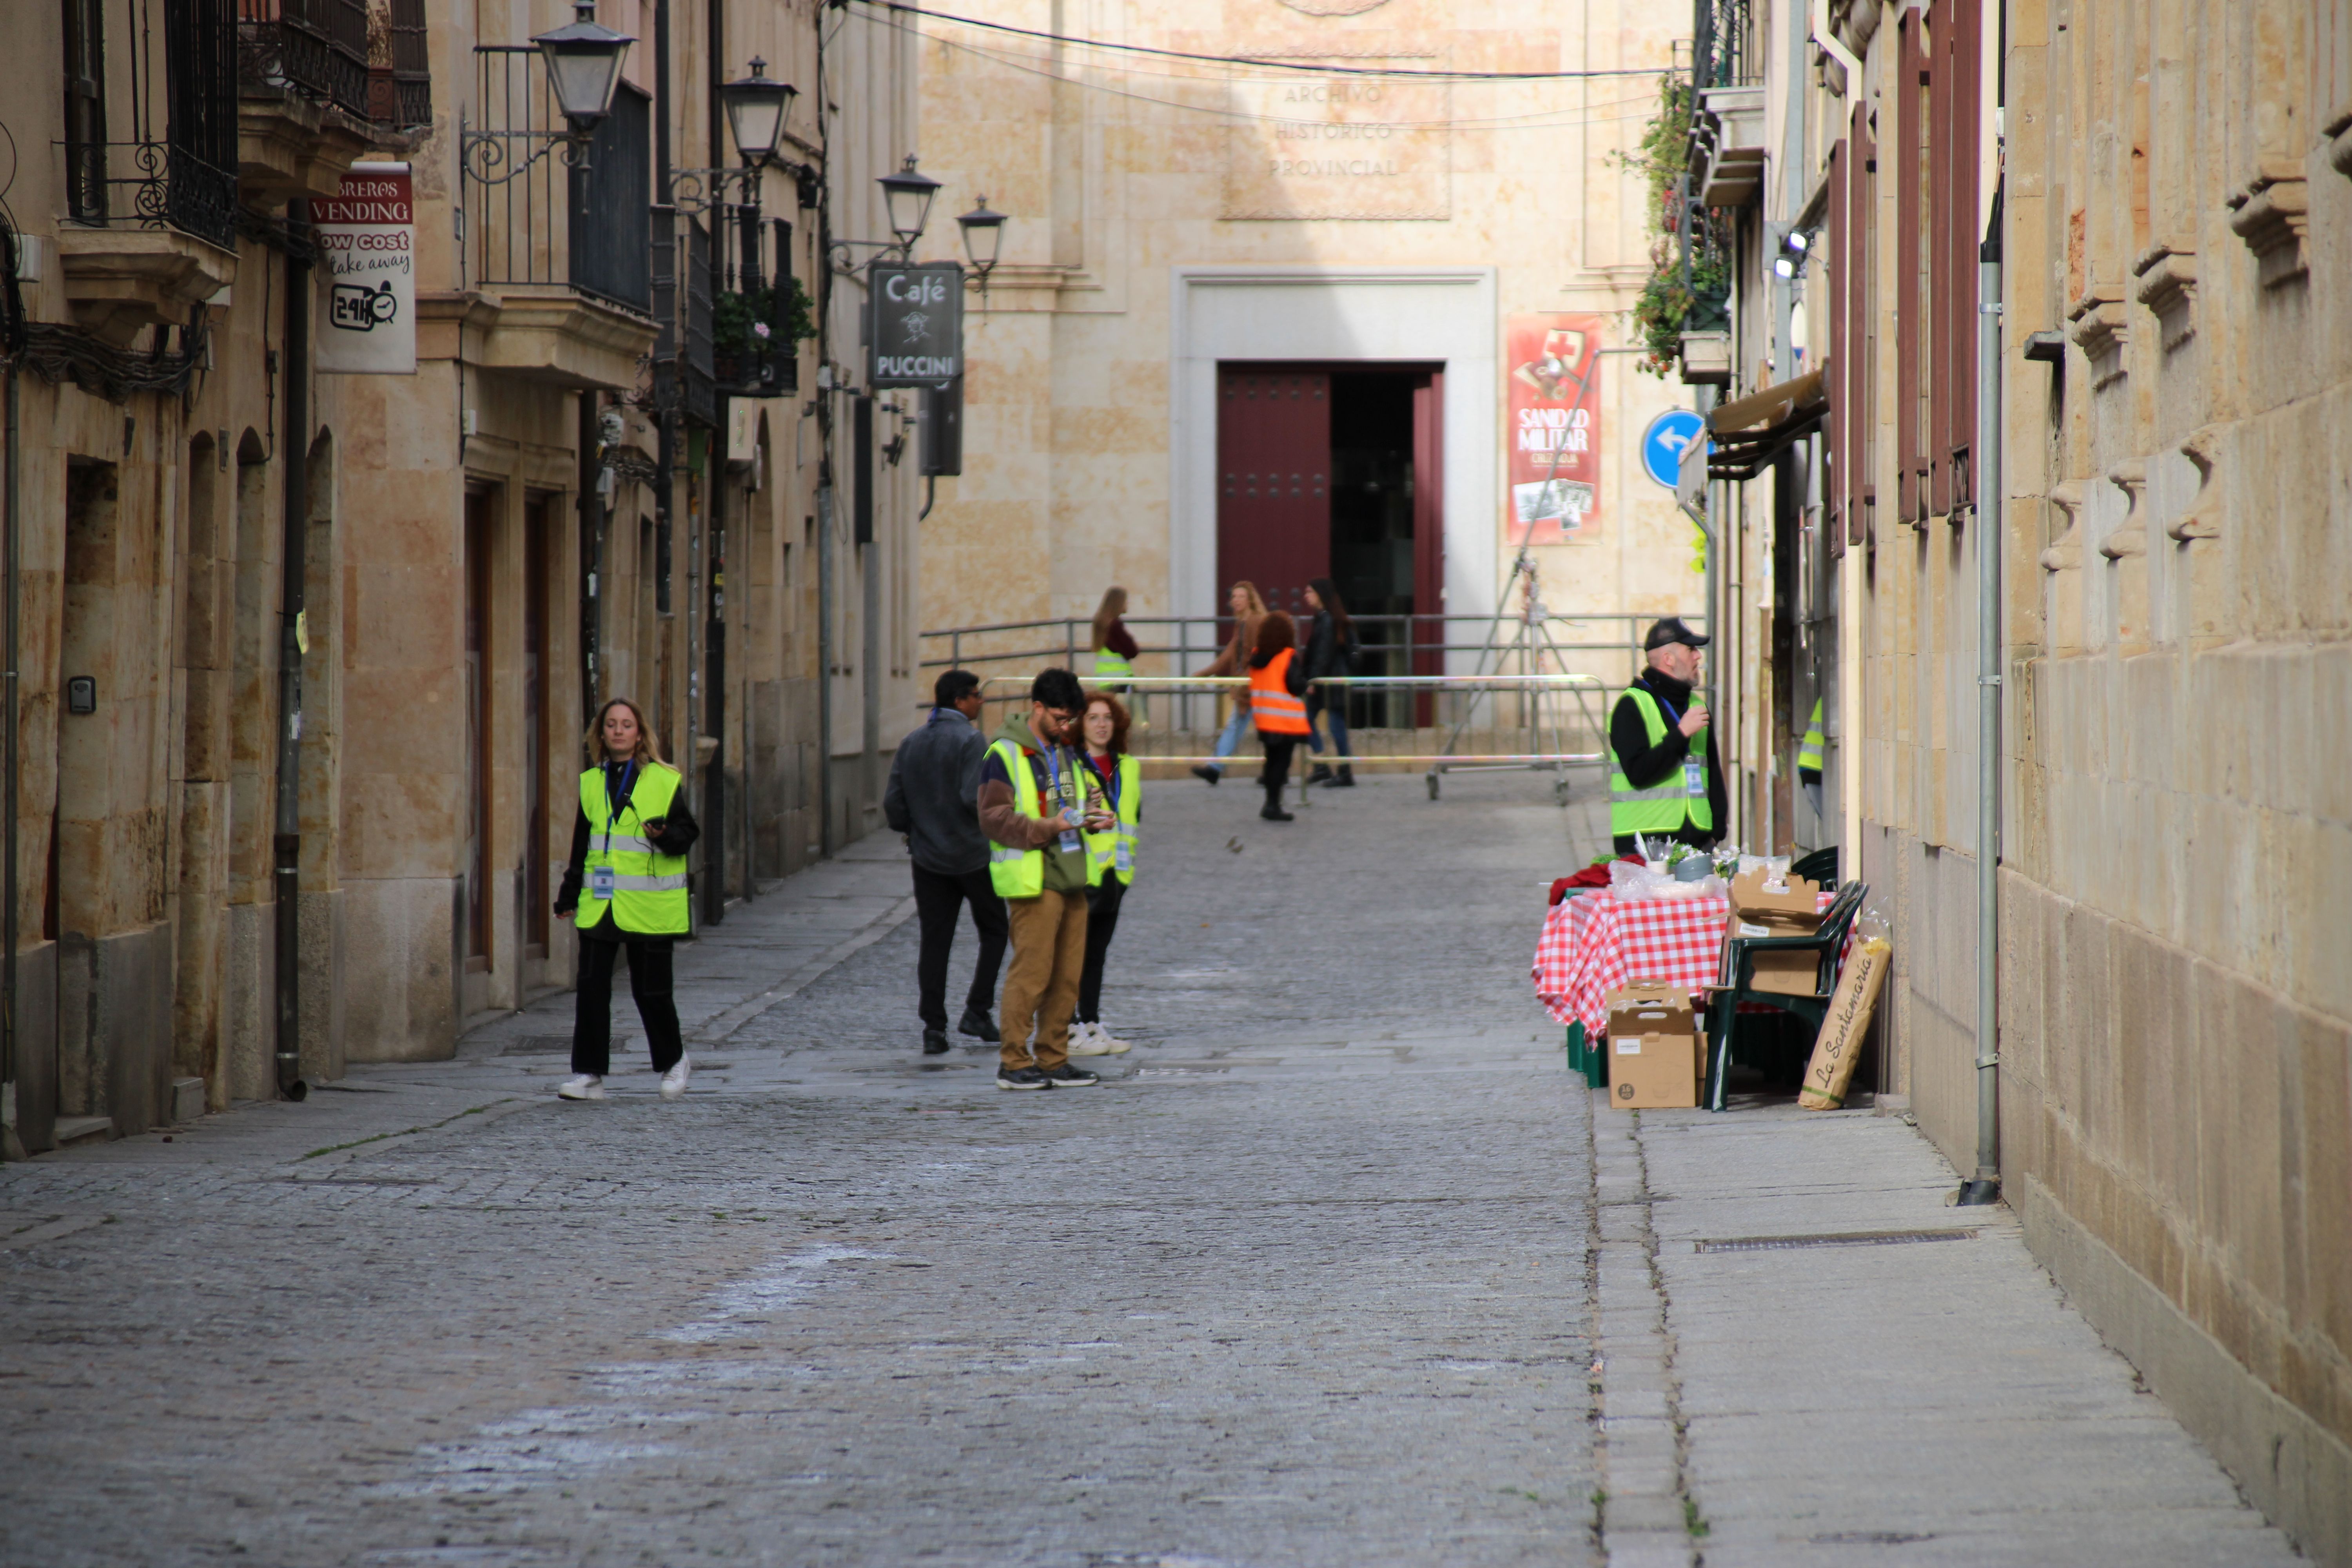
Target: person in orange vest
(1277,679)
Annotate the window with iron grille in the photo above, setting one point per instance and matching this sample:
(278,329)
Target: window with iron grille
(177,167)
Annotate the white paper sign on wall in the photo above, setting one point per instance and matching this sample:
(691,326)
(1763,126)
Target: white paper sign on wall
(366,236)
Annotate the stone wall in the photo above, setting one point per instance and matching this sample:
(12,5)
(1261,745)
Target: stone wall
(2175,985)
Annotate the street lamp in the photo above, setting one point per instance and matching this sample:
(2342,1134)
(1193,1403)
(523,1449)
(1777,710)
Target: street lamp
(908,195)
(756,106)
(983,232)
(583,64)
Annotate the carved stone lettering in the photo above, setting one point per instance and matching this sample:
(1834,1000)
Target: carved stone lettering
(1307,147)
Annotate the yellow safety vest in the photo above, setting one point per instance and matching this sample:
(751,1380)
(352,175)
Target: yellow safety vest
(1113,849)
(1109,666)
(1809,753)
(1021,873)
(648,896)
(1664,807)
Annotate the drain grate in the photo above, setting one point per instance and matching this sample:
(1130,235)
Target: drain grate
(1838,1238)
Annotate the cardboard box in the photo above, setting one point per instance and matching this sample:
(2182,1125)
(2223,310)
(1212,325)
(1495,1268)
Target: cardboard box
(1762,906)
(1655,1061)
(1759,899)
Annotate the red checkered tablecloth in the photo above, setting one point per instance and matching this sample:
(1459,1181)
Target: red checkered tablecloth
(1595,942)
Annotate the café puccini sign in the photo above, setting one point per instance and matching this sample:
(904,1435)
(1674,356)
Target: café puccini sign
(1304,144)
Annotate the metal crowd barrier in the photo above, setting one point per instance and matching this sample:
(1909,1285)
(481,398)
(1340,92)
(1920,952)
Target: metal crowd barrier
(1540,720)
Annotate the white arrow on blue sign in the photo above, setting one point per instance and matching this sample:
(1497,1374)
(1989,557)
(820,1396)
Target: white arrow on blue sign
(1663,443)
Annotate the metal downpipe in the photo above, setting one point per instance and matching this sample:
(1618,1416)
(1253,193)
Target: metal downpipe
(1984,1187)
(286,839)
(14,1147)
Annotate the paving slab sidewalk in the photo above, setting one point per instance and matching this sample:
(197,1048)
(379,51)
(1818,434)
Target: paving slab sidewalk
(1816,1401)
(765,951)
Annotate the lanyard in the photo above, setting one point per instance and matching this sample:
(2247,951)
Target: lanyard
(1674,714)
(616,805)
(1109,782)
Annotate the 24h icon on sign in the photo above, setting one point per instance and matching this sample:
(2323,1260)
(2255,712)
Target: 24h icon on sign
(355,308)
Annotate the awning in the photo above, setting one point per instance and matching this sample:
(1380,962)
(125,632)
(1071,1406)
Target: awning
(1752,431)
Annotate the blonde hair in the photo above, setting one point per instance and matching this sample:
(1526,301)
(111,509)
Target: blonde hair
(1256,601)
(648,743)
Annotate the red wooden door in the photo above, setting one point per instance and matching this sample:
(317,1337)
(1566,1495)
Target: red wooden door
(1274,500)
(1428,537)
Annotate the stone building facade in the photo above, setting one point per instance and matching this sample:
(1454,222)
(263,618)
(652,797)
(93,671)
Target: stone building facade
(488,544)
(2166,191)
(1345,192)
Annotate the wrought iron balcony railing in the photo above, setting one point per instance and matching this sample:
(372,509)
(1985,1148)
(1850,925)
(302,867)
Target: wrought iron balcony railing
(315,47)
(153,185)
(532,216)
(1723,53)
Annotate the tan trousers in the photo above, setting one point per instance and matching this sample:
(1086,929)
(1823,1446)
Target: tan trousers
(1049,954)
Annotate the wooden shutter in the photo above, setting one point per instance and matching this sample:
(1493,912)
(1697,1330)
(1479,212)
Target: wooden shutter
(1964,32)
(1841,357)
(1910,321)
(1862,298)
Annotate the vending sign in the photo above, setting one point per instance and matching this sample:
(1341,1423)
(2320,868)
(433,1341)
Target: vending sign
(1551,387)
(366,236)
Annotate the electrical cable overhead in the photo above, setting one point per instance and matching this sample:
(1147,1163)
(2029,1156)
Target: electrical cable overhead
(1539,120)
(1268,63)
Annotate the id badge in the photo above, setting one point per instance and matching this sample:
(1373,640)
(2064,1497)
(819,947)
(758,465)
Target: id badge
(1069,841)
(1125,857)
(602,883)
(1694,777)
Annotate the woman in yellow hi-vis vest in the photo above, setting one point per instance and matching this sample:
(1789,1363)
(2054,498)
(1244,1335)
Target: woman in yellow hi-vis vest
(1110,862)
(625,887)
(1664,784)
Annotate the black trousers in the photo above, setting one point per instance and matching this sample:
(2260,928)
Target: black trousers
(649,982)
(1102,919)
(1278,759)
(1696,838)
(939,903)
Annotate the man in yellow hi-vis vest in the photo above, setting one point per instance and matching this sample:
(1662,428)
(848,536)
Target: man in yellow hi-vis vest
(1037,801)
(1809,753)
(1665,783)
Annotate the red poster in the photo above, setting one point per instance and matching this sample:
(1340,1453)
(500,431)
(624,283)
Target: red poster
(1551,387)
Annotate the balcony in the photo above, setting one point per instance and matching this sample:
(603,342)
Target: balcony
(558,257)
(1727,156)
(303,95)
(153,235)
(150,225)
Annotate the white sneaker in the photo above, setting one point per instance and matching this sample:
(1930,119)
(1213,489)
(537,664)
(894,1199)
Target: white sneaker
(673,1081)
(1086,1040)
(587,1086)
(1112,1046)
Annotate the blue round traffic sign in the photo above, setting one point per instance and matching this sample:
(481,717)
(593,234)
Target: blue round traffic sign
(1663,443)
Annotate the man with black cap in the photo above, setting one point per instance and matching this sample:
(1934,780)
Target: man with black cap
(1667,783)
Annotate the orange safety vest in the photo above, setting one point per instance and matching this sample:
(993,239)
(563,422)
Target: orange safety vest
(1272,706)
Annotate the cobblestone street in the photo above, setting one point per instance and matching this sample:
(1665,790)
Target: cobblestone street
(1304,1282)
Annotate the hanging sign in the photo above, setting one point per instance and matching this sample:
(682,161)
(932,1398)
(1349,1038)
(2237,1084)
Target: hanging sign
(366,236)
(917,324)
(1551,388)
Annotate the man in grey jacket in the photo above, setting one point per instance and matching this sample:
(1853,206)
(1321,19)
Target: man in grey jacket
(934,778)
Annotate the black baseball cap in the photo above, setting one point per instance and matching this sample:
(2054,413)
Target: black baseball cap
(1671,630)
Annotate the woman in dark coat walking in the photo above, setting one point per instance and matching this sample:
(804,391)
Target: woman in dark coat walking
(1331,647)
